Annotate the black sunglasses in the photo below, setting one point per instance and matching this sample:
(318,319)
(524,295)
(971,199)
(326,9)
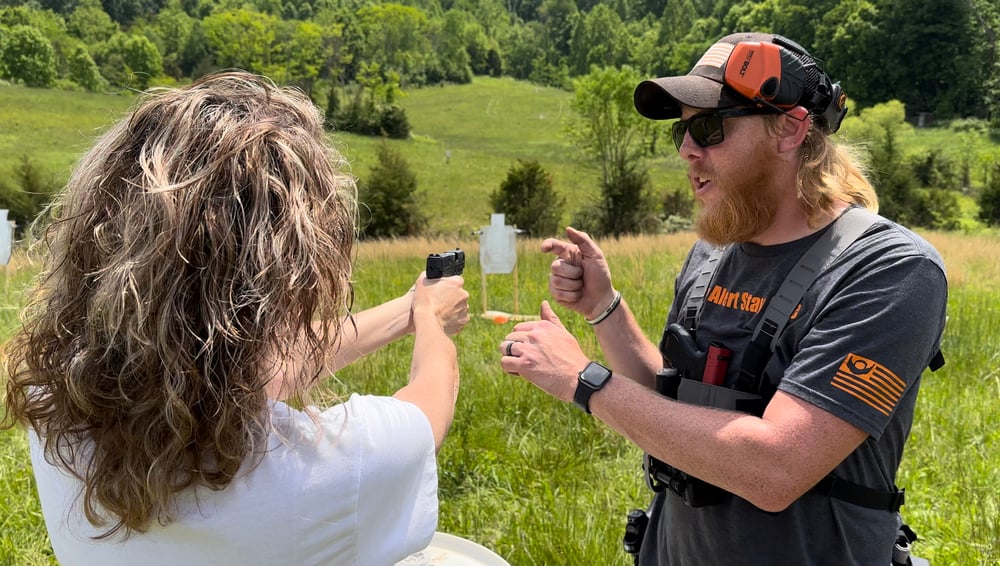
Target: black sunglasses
(706,127)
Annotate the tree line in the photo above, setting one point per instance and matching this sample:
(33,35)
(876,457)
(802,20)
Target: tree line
(938,57)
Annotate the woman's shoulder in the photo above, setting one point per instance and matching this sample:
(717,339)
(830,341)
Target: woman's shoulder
(367,416)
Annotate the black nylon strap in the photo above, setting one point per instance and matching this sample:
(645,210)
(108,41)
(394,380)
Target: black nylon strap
(845,230)
(851,492)
(937,362)
(780,307)
(696,298)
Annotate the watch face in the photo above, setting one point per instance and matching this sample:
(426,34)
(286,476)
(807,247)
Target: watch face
(595,375)
(591,379)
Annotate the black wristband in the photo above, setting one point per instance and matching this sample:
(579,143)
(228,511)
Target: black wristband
(607,312)
(590,381)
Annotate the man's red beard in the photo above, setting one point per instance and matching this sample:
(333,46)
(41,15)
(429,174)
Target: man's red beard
(747,207)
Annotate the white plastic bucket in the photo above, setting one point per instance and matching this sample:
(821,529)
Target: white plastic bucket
(450,550)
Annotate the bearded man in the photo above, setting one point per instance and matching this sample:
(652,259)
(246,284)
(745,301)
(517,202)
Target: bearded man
(774,411)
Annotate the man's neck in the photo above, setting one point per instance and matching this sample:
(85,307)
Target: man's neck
(792,223)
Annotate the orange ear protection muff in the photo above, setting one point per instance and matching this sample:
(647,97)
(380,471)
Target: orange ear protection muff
(781,75)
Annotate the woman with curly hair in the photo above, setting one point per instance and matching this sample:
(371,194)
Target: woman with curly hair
(199,273)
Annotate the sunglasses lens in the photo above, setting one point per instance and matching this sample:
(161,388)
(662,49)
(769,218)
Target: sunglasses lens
(677,131)
(705,130)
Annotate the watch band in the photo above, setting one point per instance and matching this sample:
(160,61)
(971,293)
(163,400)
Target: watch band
(589,381)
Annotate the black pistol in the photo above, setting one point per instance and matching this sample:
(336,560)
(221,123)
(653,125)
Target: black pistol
(445,264)
(678,346)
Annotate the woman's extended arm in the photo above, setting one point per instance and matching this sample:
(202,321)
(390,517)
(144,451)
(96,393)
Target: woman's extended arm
(433,385)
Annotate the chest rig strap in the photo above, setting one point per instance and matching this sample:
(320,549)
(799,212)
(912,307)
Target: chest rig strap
(779,310)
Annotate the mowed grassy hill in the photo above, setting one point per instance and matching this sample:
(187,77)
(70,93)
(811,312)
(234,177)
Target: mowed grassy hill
(465,139)
(485,127)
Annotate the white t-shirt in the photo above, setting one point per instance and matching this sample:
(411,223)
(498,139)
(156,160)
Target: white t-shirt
(360,490)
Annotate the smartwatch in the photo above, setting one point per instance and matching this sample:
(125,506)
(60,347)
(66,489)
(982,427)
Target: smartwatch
(592,379)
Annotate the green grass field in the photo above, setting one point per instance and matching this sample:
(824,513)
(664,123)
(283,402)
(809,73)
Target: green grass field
(532,478)
(486,126)
(543,484)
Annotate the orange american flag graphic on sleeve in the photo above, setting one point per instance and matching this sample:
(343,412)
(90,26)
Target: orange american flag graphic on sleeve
(869,382)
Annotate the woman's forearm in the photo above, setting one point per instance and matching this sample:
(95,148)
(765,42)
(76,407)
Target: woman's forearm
(434,379)
(372,329)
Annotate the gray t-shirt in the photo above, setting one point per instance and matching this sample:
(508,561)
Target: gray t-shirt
(865,331)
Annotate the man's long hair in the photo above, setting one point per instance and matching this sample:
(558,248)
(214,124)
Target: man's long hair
(194,246)
(830,172)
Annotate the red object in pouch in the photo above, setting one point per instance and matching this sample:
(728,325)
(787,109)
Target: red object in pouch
(716,364)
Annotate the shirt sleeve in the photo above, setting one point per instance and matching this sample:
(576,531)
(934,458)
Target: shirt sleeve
(871,340)
(398,503)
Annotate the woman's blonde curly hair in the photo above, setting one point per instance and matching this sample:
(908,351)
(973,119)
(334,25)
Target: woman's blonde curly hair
(195,243)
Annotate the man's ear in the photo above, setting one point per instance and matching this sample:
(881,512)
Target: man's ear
(793,127)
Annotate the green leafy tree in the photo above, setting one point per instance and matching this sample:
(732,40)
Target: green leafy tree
(3,42)
(396,39)
(305,52)
(373,109)
(25,191)
(83,70)
(933,168)
(524,10)
(880,128)
(678,209)
(380,84)
(89,23)
(529,201)
(473,39)
(969,148)
(454,63)
(171,31)
(49,23)
(925,53)
(989,199)
(332,106)
(241,39)
(786,17)
(666,47)
(600,39)
(494,63)
(558,18)
(937,209)
(342,42)
(492,15)
(523,47)
(986,48)
(921,52)
(608,128)
(548,35)
(676,19)
(197,56)
(130,60)
(28,57)
(127,11)
(846,37)
(389,199)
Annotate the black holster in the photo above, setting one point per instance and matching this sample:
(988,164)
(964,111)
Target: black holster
(659,475)
(635,529)
(694,492)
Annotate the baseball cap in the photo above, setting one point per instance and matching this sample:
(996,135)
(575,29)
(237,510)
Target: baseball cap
(705,87)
